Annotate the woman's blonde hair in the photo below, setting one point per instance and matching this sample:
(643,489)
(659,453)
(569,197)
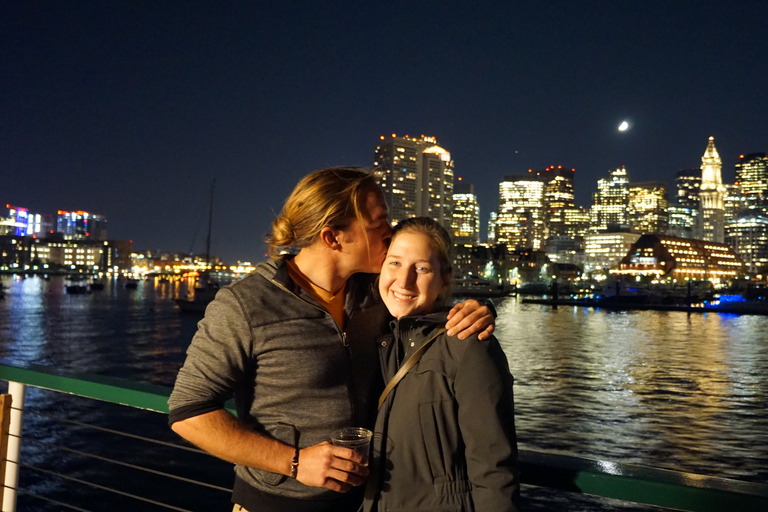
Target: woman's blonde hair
(328,197)
(441,243)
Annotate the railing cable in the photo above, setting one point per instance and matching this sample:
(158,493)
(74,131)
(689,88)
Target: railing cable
(51,500)
(117,432)
(104,488)
(128,465)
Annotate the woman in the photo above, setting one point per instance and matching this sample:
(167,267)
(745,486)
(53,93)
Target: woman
(445,434)
(293,344)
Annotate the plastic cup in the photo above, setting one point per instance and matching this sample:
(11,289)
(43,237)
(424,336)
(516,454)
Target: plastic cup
(355,438)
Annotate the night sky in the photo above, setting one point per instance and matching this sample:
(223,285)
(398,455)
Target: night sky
(131,109)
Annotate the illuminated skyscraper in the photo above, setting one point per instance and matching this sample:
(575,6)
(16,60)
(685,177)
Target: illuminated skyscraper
(747,234)
(416,176)
(684,219)
(17,221)
(752,180)
(734,202)
(465,228)
(493,217)
(610,202)
(80,225)
(520,223)
(712,195)
(648,207)
(558,197)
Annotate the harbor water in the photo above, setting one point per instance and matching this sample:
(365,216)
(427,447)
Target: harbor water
(670,390)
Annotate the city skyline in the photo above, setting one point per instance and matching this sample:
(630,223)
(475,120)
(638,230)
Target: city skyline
(131,111)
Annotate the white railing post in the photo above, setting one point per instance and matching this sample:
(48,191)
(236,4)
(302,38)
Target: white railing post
(16,391)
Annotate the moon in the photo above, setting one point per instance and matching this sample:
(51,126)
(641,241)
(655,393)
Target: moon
(624,126)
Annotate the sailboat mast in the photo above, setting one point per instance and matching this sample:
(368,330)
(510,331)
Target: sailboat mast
(210,224)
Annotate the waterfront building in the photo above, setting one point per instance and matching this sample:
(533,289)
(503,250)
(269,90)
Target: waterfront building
(18,221)
(565,250)
(734,202)
(684,218)
(712,195)
(162,262)
(558,197)
(474,264)
(55,254)
(416,176)
(648,208)
(529,269)
(752,179)
(604,250)
(747,234)
(520,222)
(491,231)
(610,202)
(80,225)
(465,226)
(681,258)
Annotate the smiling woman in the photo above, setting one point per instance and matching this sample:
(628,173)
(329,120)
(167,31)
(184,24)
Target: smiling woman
(445,432)
(416,275)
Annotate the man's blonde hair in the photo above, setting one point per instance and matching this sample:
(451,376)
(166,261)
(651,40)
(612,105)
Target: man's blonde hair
(328,197)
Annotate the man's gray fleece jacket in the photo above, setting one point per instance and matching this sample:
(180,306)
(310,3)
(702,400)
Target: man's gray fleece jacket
(294,373)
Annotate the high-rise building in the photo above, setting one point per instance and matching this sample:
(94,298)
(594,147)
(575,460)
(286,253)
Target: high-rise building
(647,211)
(684,218)
(558,197)
(610,202)
(80,225)
(17,221)
(747,234)
(416,176)
(712,195)
(520,223)
(734,202)
(752,179)
(465,228)
(493,218)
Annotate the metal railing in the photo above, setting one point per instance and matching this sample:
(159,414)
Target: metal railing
(641,485)
(149,398)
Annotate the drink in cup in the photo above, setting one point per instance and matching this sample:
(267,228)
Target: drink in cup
(354,438)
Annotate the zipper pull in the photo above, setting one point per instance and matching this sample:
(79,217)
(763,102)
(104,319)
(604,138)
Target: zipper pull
(344,339)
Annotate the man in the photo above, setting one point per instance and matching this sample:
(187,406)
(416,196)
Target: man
(293,343)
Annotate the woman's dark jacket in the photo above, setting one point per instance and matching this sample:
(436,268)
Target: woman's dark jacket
(445,436)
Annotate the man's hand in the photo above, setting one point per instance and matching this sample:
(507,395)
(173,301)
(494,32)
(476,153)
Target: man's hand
(470,317)
(335,468)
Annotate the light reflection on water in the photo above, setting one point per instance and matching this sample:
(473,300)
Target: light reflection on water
(662,389)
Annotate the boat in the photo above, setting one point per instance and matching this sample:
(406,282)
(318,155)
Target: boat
(738,304)
(131,284)
(205,288)
(476,287)
(204,292)
(76,289)
(95,286)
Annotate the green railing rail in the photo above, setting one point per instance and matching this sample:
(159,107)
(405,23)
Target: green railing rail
(638,484)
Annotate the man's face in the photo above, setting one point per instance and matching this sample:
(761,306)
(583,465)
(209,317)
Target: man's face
(368,256)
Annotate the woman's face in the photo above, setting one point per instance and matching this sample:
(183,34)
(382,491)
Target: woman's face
(411,278)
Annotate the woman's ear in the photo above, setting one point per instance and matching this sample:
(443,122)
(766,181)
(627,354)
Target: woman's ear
(329,237)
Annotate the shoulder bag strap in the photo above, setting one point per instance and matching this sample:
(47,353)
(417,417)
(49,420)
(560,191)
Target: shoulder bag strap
(408,365)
